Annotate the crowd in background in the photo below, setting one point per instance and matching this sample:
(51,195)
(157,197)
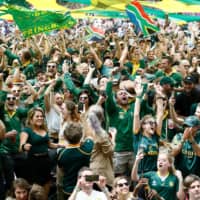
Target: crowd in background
(116,118)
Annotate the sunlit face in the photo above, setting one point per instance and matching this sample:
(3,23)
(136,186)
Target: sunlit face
(59,99)
(122,97)
(83,98)
(83,69)
(21,194)
(149,126)
(150,55)
(16,91)
(52,67)
(108,62)
(10,102)
(37,119)
(86,184)
(165,64)
(122,187)
(194,190)
(41,77)
(103,83)
(163,162)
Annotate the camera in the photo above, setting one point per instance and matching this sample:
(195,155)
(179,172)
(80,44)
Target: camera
(80,107)
(91,178)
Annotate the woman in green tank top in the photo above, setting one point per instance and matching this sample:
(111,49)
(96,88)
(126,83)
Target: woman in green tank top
(35,140)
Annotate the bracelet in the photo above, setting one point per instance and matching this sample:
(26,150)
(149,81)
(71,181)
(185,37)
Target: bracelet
(23,147)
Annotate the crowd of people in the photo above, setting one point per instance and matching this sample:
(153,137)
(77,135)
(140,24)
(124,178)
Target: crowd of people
(116,118)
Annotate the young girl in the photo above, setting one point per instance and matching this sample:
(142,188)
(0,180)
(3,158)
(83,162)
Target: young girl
(165,181)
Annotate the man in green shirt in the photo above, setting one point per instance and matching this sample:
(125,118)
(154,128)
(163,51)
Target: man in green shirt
(168,70)
(11,117)
(120,114)
(2,135)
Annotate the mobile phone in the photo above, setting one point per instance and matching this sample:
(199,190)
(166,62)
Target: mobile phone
(80,107)
(103,93)
(91,178)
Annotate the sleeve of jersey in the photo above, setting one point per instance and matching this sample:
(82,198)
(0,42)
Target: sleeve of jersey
(110,104)
(87,146)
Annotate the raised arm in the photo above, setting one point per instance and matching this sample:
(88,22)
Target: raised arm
(48,96)
(134,173)
(173,113)
(98,61)
(159,115)
(136,115)
(89,75)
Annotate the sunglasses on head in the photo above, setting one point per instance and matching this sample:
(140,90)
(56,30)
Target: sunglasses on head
(11,98)
(123,184)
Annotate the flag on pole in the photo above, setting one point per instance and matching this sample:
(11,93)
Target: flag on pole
(140,19)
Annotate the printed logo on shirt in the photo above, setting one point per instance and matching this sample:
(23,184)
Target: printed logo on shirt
(171,184)
(121,115)
(154,183)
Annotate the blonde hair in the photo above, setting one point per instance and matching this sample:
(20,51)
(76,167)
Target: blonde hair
(170,158)
(117,179)
(31,113)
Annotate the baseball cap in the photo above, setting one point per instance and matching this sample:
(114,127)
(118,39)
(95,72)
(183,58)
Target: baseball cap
(189,79)
(192,121)
(166,80)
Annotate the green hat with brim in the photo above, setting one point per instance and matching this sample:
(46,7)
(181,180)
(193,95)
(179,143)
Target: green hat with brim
(192,121)
(166,80)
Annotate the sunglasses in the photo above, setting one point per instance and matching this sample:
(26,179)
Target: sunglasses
(11,98)
(51,66)
(123,184)
(16,91)
(150,122)
(83,98)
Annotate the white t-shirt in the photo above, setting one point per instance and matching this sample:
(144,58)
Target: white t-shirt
(95,195)
(53,120)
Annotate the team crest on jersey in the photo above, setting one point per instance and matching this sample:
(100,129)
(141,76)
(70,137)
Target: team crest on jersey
(154,183)
(171,184)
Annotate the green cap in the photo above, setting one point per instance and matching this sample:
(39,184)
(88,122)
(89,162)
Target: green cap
(192,121)
(166,80)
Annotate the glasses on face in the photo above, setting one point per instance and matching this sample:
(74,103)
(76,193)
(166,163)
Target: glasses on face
(15,91)
(11,98)
(83,98)
(51,66)
(150,122)
(123,184)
